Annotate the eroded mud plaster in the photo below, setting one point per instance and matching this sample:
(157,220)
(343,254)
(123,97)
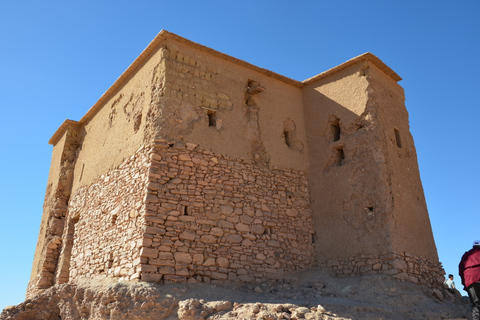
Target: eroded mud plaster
(192,150)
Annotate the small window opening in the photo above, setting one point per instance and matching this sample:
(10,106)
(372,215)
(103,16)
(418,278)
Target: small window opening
(114,219)
(313,238)
(212,118)
(335,126)
(185,211)
(339,156)
(397,137)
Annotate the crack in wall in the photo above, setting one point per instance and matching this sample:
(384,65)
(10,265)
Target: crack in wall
(252,131)
(372,107)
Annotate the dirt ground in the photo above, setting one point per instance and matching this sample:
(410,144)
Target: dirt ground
(314,294)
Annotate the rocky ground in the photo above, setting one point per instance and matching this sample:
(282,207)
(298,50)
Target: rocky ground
(310,295)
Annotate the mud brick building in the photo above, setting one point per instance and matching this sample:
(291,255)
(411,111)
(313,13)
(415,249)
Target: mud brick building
(196,166)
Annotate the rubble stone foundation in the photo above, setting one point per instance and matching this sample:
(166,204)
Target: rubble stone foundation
(400,266)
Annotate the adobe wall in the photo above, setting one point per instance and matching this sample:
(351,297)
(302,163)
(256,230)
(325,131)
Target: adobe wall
(114,132)
(213,217)
(412,230)
(365,190)
(119,127)
(248,175)
(170,96)
(350,202)
(155,103)
(197,83)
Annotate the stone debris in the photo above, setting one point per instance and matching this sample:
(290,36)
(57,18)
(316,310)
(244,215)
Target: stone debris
(310,296)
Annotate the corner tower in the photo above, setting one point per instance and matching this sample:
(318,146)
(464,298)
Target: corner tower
(368,205)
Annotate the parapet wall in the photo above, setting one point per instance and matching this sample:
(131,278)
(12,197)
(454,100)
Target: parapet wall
(212,217)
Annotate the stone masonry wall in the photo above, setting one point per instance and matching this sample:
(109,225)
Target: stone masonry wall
(400,266)
(108,234)
(211,217)
(175,213)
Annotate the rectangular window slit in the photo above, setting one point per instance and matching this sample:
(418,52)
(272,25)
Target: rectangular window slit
(335,127)
(212,118)
(339,156)
(397,137)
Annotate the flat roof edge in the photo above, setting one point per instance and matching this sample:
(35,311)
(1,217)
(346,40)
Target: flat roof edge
(154,44)
(63,127)
(164,35)
(237,61)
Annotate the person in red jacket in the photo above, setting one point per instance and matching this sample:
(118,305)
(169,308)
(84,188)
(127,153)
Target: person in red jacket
(469,270)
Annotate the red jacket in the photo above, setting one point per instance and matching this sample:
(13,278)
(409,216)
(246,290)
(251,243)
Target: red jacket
(469,267)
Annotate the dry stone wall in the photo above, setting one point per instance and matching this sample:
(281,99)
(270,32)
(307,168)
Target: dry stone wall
(400,266)
(108,234)
(174,213)
(212,217)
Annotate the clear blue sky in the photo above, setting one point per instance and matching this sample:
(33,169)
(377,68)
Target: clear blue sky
(58,57)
